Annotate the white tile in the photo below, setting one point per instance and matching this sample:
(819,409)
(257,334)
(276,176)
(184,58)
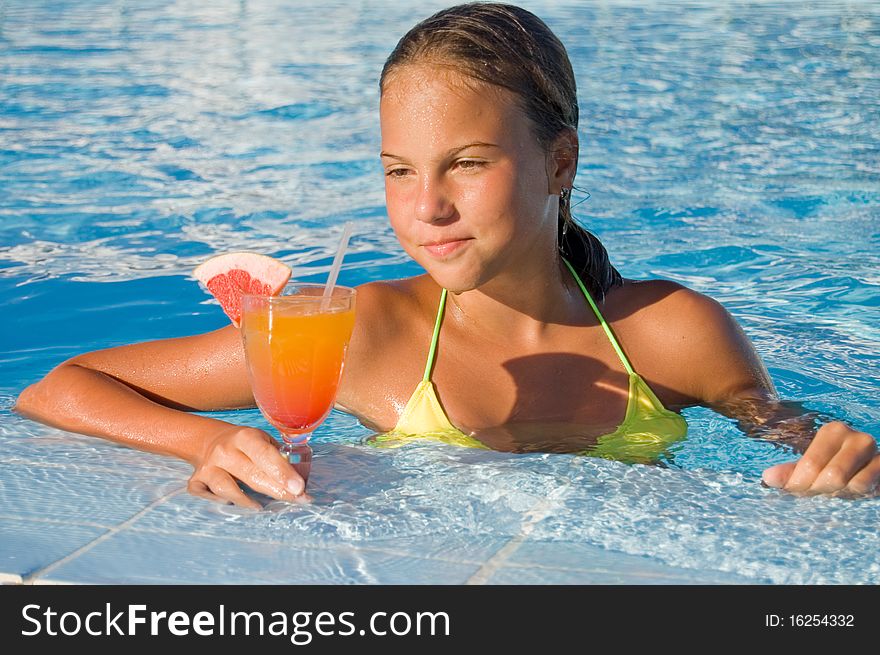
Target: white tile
(535,556)
(47,582)
(315,526)
(393,510)
(452,547)
(535,576)
(79,495)
(24,443)
(137,557)
(27,546)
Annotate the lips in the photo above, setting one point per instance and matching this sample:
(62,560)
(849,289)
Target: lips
(445,247)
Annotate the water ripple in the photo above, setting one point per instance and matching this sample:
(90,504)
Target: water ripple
(730,147)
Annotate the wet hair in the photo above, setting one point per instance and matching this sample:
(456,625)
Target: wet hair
(508,47)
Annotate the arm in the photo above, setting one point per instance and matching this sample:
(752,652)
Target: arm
(138,395)
(760,413)
(725,373)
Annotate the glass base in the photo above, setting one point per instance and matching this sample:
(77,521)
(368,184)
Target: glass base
(299,453)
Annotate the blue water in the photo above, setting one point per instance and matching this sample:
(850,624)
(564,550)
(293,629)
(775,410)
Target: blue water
(732,148)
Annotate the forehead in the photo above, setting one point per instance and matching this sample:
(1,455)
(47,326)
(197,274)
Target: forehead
(405,80)
(422,98)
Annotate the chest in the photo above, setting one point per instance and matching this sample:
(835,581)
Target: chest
(507,394)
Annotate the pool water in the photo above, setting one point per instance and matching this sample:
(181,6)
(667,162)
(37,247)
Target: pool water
(732,148)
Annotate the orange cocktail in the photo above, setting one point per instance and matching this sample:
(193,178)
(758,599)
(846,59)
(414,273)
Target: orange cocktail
(295,347)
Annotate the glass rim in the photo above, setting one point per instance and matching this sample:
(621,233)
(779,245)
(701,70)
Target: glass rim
(296,297)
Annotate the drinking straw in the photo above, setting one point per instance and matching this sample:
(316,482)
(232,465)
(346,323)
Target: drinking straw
(337,264)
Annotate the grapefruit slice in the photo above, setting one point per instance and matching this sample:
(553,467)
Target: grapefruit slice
(230,275)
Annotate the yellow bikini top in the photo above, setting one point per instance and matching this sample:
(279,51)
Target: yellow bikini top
(647,430)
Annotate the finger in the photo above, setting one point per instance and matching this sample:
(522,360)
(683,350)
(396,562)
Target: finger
(867,481)
(777,476)
(269,460)
(200,489)
(225,486)
(815,459)
(259,481)
(853,456)
(219,491)
(251,473)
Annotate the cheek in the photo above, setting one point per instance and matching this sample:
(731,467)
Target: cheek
(500,203)
(394,206)
(486,199)
(399,218)
(529,199)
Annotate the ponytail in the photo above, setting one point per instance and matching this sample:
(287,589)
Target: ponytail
(586,254)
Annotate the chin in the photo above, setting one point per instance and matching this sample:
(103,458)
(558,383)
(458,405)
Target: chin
(456,277)
(457,288)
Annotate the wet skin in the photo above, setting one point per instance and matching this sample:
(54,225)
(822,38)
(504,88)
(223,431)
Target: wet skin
(522,363)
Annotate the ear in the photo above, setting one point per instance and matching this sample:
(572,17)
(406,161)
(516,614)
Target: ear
(562,162)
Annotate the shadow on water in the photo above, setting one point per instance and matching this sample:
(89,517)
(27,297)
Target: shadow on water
(343,474)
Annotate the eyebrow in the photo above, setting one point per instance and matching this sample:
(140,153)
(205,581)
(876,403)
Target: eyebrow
(450,153)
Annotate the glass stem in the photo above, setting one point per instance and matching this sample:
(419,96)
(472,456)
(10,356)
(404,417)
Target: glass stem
(298,452)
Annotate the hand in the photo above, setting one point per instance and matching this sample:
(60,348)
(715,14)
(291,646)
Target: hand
(838,460)
(249,455)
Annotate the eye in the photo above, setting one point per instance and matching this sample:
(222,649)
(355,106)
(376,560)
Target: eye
(470,164)
(397,172)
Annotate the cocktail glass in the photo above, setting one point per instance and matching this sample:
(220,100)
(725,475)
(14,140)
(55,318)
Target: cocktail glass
(295,346)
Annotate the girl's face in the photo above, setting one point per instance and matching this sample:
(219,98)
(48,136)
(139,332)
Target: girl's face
(467,185)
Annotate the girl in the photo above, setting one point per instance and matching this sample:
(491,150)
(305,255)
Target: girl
(521,336)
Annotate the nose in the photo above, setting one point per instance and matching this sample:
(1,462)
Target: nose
(433,203)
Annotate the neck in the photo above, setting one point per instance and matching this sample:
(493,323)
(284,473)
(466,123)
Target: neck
(523,301)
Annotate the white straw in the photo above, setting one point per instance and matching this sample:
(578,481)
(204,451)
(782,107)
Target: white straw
(337,264)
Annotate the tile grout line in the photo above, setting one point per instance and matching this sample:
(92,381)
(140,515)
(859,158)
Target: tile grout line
(538,512)
(30,578)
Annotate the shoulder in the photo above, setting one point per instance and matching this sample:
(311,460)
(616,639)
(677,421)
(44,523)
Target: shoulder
(393,298)
(692,342)
(389,290)
(667,308)
(391,324)
(638,294)
(388,308)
